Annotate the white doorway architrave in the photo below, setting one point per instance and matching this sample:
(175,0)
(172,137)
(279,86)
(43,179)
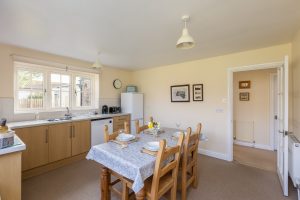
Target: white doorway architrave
(274,128)
(230,72)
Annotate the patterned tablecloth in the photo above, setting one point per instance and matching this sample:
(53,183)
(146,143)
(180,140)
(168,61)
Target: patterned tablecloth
(130,162)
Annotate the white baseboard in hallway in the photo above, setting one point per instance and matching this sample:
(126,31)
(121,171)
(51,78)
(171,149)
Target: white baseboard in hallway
(214,154)
(258,146)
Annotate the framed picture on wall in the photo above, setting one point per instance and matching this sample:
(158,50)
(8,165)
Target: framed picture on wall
(198,92)
(244,84)
(180,93)
(244,96)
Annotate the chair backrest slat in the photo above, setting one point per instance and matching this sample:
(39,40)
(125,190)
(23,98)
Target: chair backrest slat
(107,136)
(139,128)
(171,167)
(112,136)
(189,161)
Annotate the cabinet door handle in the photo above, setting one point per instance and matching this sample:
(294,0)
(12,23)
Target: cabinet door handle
(47,136)
(73,131)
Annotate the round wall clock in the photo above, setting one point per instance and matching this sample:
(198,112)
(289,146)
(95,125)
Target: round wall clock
(117,84)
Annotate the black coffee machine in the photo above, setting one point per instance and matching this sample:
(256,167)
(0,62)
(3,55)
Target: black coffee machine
(104,109)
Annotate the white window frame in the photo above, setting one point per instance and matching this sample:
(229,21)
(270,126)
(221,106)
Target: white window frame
(84,75)
(46,70)
(30,68)
(49,89)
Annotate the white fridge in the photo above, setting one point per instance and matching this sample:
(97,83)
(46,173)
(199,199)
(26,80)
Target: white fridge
(133,103)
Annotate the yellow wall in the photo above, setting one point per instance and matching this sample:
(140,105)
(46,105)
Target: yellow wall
(296,85)
(212,72)
(252,118)
(107,77)
(6,70)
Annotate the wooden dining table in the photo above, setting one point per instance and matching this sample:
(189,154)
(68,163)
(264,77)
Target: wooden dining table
(129,162)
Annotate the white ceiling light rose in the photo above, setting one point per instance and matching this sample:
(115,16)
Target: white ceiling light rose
(185,41)
(97,64)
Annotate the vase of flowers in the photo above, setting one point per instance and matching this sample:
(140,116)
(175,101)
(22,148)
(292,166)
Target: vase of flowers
(154,126)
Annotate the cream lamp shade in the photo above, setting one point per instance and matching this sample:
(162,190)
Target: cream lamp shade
(97,64)
(185,41)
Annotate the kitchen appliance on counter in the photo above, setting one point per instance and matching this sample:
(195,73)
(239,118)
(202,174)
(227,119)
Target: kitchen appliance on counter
(6,135)
(114,110)
(104,109)
(97,130)
(133,103)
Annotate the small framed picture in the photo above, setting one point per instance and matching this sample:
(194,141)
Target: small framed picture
(198,92)
(244,84)
(244,96)
(180,93)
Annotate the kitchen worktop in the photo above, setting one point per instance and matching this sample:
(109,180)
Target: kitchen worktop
(18,146)
(24,124)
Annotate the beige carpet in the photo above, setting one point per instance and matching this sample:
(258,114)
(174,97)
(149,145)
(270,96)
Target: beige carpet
(218,180)
(259,158)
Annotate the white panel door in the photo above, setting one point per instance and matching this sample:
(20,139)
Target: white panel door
(283,117)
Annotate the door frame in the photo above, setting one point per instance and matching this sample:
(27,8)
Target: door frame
(273,132)
(230,72)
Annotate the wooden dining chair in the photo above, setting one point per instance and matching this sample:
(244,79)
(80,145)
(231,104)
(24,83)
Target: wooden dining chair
(164,178)
(126,127)
(188,166)
(139,128)
(108,137)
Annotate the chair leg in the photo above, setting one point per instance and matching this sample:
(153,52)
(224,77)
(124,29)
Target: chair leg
(183,185)
(173,192)
(195,172)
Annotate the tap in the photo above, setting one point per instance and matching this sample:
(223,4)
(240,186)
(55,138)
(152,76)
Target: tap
(68,114)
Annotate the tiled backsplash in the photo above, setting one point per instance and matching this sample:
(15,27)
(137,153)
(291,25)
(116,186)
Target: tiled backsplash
(7,110)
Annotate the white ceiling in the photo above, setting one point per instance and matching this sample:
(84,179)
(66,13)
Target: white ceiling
(142,33)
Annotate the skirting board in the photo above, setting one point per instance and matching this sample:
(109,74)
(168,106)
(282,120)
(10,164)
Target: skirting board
(213,154)
(258,146)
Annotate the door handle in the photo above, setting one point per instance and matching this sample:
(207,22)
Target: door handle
(281,131)
(73,130)
(286,133)
(47,136)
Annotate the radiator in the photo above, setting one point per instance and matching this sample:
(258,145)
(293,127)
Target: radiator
(294,160)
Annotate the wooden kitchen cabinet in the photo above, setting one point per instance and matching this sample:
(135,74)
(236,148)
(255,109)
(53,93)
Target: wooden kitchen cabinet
(60,141)
(118,122)
(37,143)
(81,137)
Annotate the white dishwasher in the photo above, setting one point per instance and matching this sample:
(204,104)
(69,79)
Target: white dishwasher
(97,127)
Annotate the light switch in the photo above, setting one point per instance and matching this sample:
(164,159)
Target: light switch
(219,110)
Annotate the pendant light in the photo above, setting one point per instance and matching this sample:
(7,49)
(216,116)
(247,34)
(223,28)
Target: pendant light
(97,64)
(185,41)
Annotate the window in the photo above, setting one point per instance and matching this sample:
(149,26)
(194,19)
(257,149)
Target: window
(42,88)
(60,90)
(83,91)
(30,89)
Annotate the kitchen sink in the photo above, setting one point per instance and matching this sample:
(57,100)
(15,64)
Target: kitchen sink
(66,118)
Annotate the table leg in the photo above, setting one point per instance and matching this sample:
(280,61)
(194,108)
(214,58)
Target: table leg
(105,180)
(141,194)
